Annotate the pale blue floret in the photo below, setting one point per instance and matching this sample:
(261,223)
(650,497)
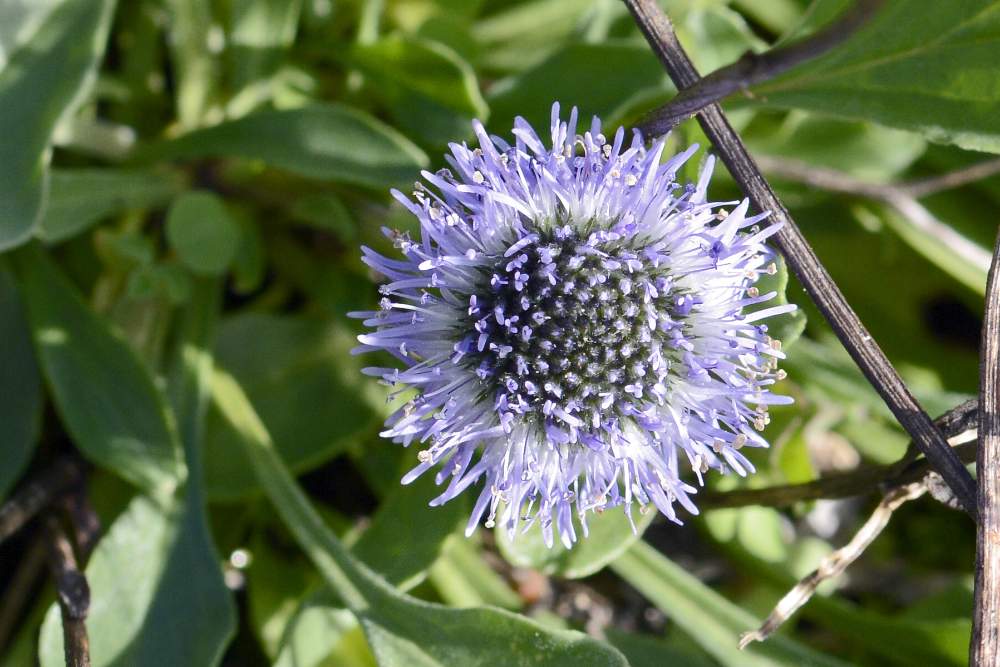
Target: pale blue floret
(574,322)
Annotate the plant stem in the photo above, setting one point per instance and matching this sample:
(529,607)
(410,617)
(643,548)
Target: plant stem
(985,646)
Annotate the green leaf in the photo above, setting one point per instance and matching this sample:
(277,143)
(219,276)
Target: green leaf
(916,66)
(194,64)
(429,89)
(610,535)
(962,258)
(464,579)
(308,389)
(20,386)
(708,618)
(626,71)
(645,651)
(326,142)
(157,597)
(202,233)
(103,393)
(867,151)
(79,198)
(402,630)
(157,568)
(406,534)
(326,211)
(47,62)
(260,32)
(320,634)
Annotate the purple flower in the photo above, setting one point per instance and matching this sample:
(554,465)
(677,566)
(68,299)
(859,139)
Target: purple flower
(573,322)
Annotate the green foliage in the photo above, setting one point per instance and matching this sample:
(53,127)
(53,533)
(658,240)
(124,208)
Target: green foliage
(328,142)
(925,68)
(184,185)
(20,385)
(49,54)
(106,398)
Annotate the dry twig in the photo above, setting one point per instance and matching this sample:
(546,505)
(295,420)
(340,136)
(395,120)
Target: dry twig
(985,646)
(866,479)
(756,67)
(835,563)
(73,594)
(804,263)
(900,197)
(37,493)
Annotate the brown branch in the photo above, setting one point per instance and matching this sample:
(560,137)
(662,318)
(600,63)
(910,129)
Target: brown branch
(858,482)
(835,563)
(863,480)
(899,197)
(805,264)
(753,68)
(73,594)
(953,179)
(38,493)
(984,649)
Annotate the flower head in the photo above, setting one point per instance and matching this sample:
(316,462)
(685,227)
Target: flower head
(575,324)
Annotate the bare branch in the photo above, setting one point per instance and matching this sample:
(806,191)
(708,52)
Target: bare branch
(36,494)
(835,564)
(73,594)
(756,67)
(898,197)
(953,179)
(804,264)
(984,650)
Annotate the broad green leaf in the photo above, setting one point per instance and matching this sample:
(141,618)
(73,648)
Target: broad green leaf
(429,90)
(20,386)
(320,634)
(520,35)
(406,535)
(79,198)
(464,579)
(401,630)
(202,233)
(626,71)
(326,142)
(304,383)
(709,619)
(928,67)
(610,535)
(103,393)
(47,62)
(260,32)
(867,151)
(157,597)
(326,211)
(646,651)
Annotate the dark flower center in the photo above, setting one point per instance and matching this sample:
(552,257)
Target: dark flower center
(585,326)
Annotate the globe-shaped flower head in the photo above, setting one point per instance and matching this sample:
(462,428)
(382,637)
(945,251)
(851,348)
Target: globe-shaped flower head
(574,323)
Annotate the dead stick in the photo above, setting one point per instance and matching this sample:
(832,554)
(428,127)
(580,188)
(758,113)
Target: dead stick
(984,650)
(73,594)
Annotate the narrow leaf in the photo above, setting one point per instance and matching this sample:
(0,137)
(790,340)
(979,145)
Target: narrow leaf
(327,142)
(105,396)
(42,79)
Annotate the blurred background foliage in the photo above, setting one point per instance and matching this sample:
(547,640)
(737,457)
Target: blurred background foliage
(170,167)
